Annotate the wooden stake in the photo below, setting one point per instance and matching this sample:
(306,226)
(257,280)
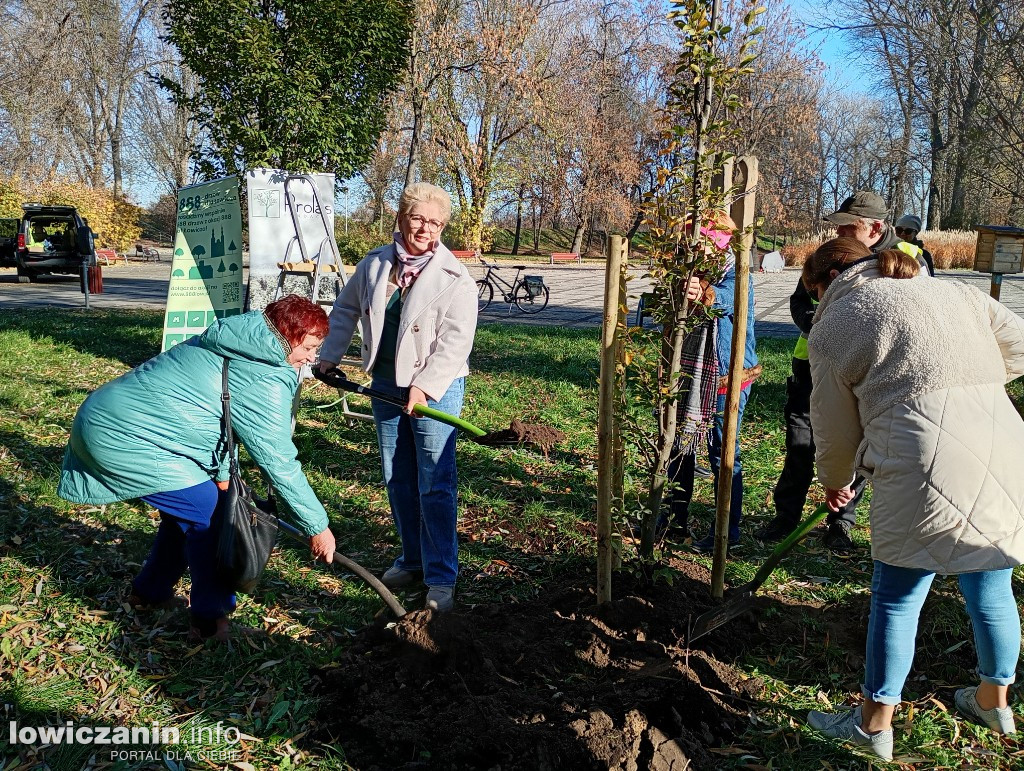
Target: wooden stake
(606,417)
(743,215)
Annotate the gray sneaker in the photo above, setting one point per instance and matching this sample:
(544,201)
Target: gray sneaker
(845,725)
(999,719)
(440,598)
(397,578)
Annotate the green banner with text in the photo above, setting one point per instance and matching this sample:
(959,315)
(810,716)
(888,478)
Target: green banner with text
(206,272)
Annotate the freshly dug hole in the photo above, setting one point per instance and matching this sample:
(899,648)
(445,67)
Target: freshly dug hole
(554,683)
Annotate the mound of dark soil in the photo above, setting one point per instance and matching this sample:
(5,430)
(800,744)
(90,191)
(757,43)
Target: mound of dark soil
(554,683)
(539,435)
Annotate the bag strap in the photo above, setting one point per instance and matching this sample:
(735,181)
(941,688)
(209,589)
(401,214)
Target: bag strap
(227,434)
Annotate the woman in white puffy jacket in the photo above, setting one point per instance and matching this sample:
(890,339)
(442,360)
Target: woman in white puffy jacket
(909,390)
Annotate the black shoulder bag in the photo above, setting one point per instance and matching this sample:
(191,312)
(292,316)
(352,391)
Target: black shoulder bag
(246,530)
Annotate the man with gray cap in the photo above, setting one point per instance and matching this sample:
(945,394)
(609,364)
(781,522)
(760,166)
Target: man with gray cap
(862,216)
(907,227)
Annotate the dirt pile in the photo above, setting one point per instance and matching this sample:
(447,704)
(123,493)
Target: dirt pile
(554,683)
(537,434)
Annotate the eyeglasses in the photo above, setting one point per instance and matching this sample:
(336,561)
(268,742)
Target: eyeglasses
(904,231)
(422,222)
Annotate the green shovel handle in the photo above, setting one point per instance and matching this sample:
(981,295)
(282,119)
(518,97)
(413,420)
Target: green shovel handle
(336,379)
(788,543)
(451,420)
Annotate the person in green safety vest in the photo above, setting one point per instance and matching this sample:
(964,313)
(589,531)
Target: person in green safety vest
(862,217)
(907,227)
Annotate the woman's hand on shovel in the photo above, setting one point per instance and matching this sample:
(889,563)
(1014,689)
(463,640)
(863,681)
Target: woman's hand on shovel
(836,499)
(322,546)
(416,396)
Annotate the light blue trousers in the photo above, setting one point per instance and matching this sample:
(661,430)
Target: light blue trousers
(897,595)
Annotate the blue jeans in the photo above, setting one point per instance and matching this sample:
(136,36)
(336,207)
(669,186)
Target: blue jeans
(418,461)
(680,471)
(184,539)
(897,595)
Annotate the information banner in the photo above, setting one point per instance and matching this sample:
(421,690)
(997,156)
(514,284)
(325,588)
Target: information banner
(273,197)
(206,271)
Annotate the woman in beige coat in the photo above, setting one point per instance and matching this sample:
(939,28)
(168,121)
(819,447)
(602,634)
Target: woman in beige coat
(909,375)
(416,307)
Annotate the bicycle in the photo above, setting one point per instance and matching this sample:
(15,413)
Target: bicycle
(528,293)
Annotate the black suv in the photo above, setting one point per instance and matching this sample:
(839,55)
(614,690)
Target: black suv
(52,239)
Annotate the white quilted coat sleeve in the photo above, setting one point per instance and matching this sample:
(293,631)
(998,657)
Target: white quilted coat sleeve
(835,422)
(1008,328)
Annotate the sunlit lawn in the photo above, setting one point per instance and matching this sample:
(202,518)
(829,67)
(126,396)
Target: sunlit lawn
(69,649)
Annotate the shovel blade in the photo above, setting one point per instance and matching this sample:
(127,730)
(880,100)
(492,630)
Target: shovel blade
(724,613)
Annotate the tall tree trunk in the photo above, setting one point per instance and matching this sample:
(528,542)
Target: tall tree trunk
(116,164)
(412,164)
(958,196)
(577,237)
(535,214)
(519,218)
(638,220)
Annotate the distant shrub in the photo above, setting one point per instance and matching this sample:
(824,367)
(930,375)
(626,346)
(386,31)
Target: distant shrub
(114,219)
(455,234)
(360,239)
(798,250)
(951,248)
(10,198)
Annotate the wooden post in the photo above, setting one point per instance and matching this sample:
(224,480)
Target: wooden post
(994,288)
(618,447)
(606,416)
(742,212)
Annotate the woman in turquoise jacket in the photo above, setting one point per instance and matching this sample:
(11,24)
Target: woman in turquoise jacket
(155,434)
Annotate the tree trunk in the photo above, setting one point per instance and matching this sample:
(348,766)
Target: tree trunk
(577,238)
(958,196)
(519,219)
(637,222)
(116,165)
(668,414)
(412,164)
(590,236)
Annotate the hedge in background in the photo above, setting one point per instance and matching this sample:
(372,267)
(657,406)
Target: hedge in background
(114,220)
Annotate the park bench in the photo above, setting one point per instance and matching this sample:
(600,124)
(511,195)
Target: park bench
(110,255)
(464,255)
(565,257)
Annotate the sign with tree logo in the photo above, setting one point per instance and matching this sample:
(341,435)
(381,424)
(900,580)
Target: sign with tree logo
(206,272)
(280,204)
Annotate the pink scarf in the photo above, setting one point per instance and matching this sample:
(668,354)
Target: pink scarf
(409,266)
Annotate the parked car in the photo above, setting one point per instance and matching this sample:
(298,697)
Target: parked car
(52,239)
(8,241)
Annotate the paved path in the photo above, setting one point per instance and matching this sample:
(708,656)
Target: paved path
(576,293)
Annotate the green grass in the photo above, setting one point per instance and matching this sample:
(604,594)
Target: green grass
(70,651)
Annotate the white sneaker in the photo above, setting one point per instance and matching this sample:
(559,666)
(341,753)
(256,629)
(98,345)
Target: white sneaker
(845,725)
(999,719)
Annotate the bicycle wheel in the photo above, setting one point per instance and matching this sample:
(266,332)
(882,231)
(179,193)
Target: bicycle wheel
(484,294)
(527,303)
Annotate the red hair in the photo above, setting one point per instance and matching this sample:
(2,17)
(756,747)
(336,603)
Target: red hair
(295,317)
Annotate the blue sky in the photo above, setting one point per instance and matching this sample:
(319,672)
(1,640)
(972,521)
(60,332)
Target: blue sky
(845,71)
